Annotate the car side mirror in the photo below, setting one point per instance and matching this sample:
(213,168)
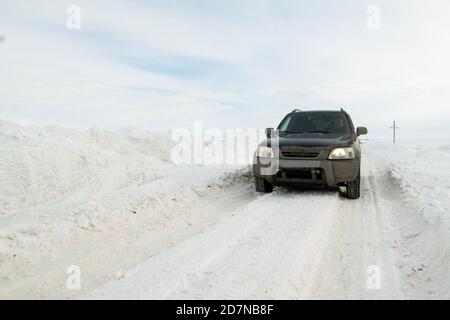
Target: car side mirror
(361,131)
(270,132)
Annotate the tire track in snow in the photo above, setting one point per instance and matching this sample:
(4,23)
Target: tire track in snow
(287,245)
(268,249)
(274,259)
(358,241)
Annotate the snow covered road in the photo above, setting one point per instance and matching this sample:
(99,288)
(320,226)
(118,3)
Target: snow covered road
(138,227)
(286,245)
(299,245)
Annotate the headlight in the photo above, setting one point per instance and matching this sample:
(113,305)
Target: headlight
(265,152)
(342,154)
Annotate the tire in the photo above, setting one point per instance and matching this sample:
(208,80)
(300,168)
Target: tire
(353,188)
(263,186)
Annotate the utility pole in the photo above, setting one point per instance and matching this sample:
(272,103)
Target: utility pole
(394,128)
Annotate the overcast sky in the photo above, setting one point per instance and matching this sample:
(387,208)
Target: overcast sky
(232,64)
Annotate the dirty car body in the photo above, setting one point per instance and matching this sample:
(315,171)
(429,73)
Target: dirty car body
(311,148)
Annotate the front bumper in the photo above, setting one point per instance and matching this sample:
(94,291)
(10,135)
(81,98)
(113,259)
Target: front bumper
(319,172)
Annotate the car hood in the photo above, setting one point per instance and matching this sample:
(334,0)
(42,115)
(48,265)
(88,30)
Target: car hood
(311,140)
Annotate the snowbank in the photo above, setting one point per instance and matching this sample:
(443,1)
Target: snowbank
(42,166)
(421,174)
(59,186)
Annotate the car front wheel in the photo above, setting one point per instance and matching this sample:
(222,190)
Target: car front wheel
(353,188)
(263,186)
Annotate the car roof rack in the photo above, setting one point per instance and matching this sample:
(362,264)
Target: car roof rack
(296,110)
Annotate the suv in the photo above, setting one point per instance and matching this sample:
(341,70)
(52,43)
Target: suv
(311,148)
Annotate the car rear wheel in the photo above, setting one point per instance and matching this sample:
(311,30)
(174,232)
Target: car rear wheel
(263,186)
(353,188)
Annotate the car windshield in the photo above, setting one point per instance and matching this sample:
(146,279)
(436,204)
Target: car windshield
(315,122)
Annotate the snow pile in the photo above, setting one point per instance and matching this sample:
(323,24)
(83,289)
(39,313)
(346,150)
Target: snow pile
(59,186)
(41,166)
(420,177)
(423,174)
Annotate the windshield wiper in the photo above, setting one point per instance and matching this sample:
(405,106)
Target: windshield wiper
(312,131)
(292,132)
(321,131)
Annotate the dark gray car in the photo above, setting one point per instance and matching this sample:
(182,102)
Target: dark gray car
(311,148)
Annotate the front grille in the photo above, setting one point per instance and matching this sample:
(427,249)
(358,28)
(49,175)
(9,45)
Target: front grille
(296,153)
(302,174)
(299,174)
